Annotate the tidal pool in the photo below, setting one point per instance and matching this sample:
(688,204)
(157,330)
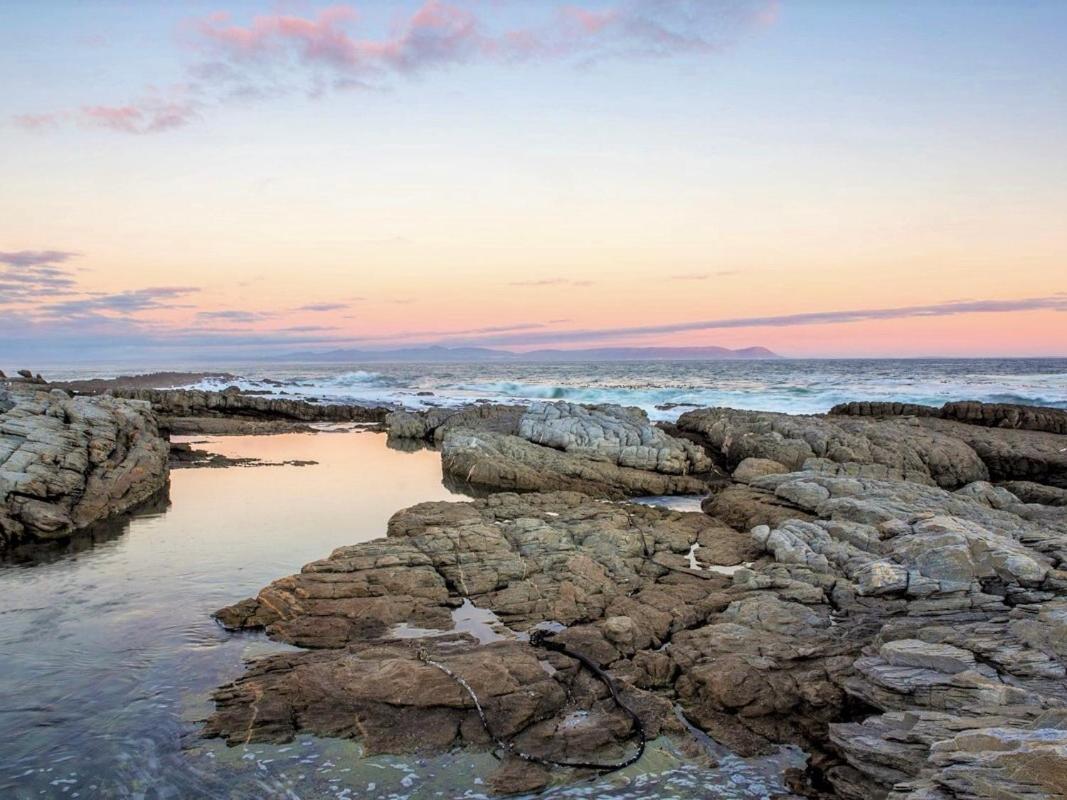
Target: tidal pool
(109,654)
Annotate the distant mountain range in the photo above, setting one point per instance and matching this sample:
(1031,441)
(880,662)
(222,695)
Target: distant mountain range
(438,353)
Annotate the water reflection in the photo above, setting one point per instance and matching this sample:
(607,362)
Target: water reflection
(110,653)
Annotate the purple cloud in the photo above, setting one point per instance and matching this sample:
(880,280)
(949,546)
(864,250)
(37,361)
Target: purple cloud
(35,258)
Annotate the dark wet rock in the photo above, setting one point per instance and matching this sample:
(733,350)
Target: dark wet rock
(186,404)
(516,776)
(150,380)
(185,456)
(875,408)
(231,426)
(990,415)
(1011,454)
(1029,492)
(66,463)
(510,463)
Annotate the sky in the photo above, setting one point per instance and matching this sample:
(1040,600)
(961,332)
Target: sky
(214,180)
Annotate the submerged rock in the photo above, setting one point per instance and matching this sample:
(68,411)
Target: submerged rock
(66,463)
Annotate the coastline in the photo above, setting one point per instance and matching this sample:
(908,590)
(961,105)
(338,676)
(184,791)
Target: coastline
(812,540)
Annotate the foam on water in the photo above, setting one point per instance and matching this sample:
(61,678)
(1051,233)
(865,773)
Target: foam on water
(666,389)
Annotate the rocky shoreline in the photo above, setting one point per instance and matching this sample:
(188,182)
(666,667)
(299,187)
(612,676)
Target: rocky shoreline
(883,586)
(858,587)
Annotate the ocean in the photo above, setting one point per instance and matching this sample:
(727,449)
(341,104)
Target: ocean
(663,388)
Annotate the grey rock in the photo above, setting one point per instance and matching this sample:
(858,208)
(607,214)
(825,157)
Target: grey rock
(861,447)
(66,463)
(751,468)
(510,463)
(620,436)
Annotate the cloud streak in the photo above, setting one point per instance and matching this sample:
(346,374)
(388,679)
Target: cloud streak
(129,302)
(35,258)
(1056,302)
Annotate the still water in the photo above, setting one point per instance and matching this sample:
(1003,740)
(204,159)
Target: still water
(110,655)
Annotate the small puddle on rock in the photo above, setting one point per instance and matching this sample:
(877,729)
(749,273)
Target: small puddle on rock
(481,623)
(671,503)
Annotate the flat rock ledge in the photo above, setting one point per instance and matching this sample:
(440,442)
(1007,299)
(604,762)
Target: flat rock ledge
(68,462)
(231,411)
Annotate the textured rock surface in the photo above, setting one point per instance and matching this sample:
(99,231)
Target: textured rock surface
(510,463)
(1011,454)
(66,463)
(432,425)
(621,436)
(615,574)
(923,449)
(911,638)
(946,612)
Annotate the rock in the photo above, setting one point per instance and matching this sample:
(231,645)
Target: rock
(516,776)
(1023,443)
(953,604)
(912,639)
(743,508)
(883,409)
(1006,415)
(1011,454)
(434,424)
(990,415)
(1030,492)
(194,403)
(620,436)
(751,468)
(527,558)
(66,463)
(509,463)
(857,446)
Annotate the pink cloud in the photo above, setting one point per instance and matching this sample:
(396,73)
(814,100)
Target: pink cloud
(274,53)
(39,122)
